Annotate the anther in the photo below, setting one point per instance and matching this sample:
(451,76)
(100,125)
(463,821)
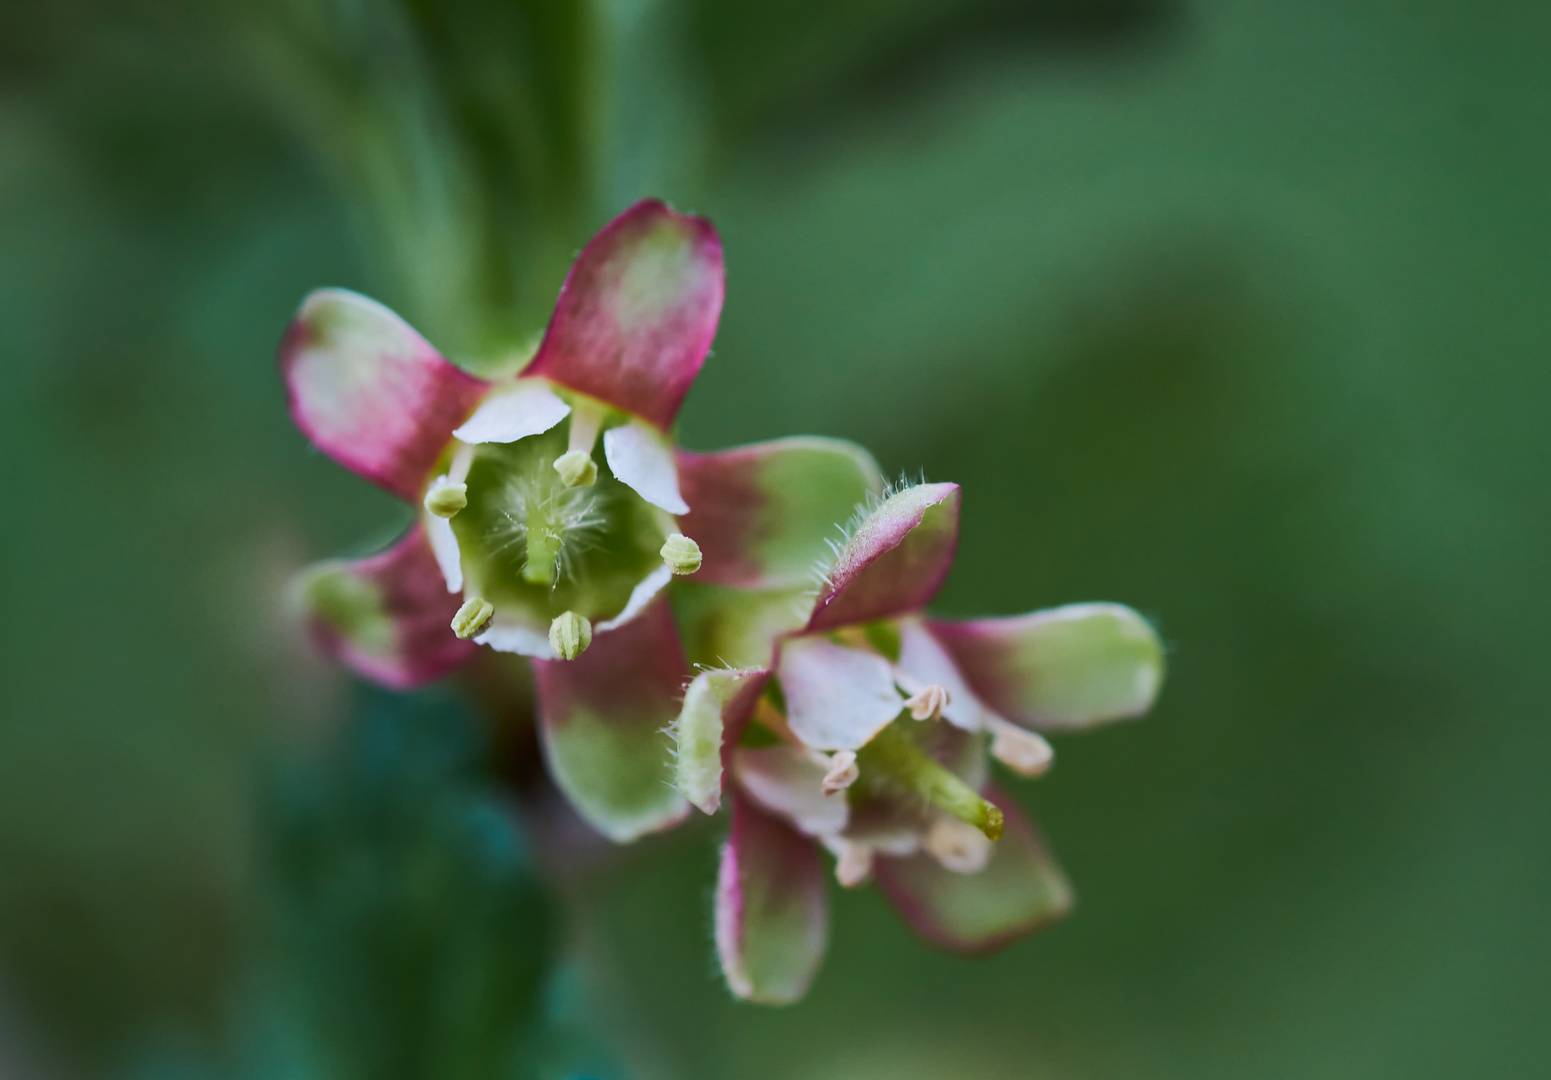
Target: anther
(853,864)
(446,497)
(958,847)
(928,704)
(842,772)
(681,554)
(569,635)
(1024,752)
(576,469)
(472,617)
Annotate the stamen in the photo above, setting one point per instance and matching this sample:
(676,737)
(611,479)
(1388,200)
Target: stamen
(569,635)
(472,617)
(928,704)
(446,497)
(681,554)
(957,847)
(894,754)
(576,469)
(842,772)
(1024,752)
(853,864)
(586,418)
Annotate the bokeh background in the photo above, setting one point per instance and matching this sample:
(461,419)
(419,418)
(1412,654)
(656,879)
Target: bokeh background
(1233,310)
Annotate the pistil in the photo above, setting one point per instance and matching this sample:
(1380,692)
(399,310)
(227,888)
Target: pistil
(894,754)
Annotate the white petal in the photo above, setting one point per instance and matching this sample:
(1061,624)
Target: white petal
(783,781)
(526,408)
(836,698)
(515,637)
(640,596)
(641,458)
(924,662)
(444,545)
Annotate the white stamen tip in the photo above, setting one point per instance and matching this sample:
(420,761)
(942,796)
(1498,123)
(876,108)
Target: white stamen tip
(853,864)
(446,497)
(472,617)
(958,847)
(1024,752)
(928,704)
(681,554)
(842,772)
(576,469)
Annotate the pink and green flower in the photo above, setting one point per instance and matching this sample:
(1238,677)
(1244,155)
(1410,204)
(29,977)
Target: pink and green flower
(552,508)
(845,719)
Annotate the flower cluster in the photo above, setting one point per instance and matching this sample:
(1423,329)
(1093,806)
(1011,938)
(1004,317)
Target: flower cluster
(656,589)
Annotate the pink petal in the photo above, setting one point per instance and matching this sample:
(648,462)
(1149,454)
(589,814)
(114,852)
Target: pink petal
(837,698)
(784,781)
(370,392)
(387,617)
(772,913)
(762,514)
(602,718)
(895,561)
(637,312)
(717,706)
(1060,670)
(924,662)
(1022,890)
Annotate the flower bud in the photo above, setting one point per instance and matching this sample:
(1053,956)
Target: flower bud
(569,635)
(681,554)
(928,704)
(472,617)
(446,497)
(576,469)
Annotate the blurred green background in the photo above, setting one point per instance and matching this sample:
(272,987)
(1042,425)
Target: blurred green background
(1233,311)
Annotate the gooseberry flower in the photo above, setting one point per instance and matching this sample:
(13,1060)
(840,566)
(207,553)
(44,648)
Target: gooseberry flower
(529,540)
(862,727)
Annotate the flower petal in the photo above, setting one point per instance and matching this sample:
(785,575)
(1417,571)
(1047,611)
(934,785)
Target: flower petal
(1063,669)
(895,561)
(772,913)
(924,662)
(644,593)
(1020,891)
(642,459)
(602,717)
(637,312)
(716,707)
(370,392)
(387,617)
(508,634)
(837,698)
(763,514)
(784,781)
(527,407)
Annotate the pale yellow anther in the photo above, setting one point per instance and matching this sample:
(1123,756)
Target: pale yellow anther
(446,497)
(576,469)
(928,704)
(569,635)
(853,864)
(958,847)
(842,772)
(1024,752)
(472,617)
(681,554)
